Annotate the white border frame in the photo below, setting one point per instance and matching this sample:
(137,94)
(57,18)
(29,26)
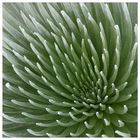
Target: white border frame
(1,63)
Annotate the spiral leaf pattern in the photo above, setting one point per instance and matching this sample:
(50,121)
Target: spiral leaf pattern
(70,70)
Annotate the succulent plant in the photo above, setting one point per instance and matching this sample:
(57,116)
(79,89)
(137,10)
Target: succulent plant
(70,69)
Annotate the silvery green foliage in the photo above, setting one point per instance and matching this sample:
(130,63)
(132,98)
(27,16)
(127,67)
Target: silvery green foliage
(70,70)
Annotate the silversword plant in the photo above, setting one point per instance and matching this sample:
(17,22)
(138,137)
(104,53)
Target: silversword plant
(70,70)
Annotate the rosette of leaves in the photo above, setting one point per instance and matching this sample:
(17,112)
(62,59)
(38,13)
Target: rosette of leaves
(70,70)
